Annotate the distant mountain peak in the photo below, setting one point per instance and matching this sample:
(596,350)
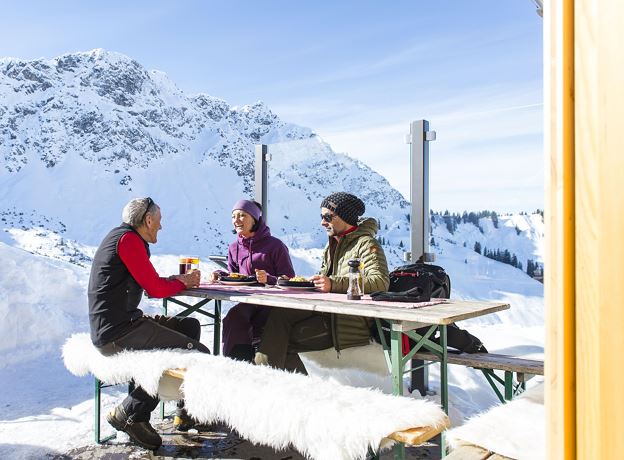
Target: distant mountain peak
(107,108)
(95,126)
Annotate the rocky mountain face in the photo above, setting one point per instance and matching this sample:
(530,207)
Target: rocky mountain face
(82,133)
(108,109)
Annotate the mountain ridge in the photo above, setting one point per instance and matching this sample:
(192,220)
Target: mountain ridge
(95,129)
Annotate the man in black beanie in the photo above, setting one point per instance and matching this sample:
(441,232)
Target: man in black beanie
(290,331)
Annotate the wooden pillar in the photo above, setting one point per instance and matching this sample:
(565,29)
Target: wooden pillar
(559,276)
(599,179)
(584,68)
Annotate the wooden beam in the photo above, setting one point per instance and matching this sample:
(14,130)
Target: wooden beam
(489,361)
(599,181)
(416,436)
(559,279)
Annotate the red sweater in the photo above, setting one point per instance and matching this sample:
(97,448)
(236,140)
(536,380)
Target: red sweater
(132,252)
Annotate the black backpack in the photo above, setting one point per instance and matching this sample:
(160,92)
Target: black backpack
(431,278)
(421,279)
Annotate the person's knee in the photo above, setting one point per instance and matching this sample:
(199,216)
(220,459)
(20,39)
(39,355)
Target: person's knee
(192,328)
(234,318)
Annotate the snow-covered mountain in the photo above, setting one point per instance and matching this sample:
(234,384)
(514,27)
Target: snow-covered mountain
(83,133)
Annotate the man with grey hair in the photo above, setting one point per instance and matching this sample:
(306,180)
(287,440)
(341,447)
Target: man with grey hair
(120,272)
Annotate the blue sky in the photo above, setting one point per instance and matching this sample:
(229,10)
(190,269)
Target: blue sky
(356,72)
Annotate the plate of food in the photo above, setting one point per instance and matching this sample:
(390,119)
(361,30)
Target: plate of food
(237,279)
(296,282)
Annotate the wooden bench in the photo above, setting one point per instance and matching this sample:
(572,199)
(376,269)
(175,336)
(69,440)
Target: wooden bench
(411,436)
(474,453)
(488,363)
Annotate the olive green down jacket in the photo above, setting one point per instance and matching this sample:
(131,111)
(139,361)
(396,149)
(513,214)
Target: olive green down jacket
(351,331)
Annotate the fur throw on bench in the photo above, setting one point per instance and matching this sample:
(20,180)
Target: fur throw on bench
(321,419)
(515,429)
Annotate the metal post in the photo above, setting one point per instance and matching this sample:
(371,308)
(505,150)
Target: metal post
(509,385)
(443,383)
(98,395)
(419,138)
(261,178)
(396,358)
(217,328)
(162,403)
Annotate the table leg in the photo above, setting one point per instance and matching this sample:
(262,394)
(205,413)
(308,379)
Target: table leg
(443,384)
(162,403)
(98,406)
(217,328)
(396,359)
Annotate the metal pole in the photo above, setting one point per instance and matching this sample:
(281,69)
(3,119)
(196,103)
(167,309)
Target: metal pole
(98,396)
(396,358)
(217,328)
(419,138)
(261,178)
(443,383)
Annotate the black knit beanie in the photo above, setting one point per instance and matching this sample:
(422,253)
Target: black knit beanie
(346,206)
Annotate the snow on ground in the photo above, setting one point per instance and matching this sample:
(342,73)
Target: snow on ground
(46,410)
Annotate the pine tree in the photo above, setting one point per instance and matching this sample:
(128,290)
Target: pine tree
(530,267)
(477,247)
(495,219)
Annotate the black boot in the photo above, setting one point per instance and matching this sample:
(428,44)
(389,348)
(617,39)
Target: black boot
(141,433)
(242,352)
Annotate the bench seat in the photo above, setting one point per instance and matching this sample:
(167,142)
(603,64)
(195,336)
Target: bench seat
(514,430)
(490,361)
(474,453)
(320,418)
(411,436)
(487,363)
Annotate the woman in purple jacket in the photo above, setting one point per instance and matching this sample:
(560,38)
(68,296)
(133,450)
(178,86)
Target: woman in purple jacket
(255,252)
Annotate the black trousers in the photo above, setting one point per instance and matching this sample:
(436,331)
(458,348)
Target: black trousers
(289,331)
(149,333)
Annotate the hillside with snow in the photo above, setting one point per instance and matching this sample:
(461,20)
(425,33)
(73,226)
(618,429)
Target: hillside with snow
(95,129)
(83,133)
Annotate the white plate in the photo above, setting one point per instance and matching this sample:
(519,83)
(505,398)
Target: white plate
(301,288)
(238,283)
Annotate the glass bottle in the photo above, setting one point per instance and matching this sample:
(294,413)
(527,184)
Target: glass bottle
(355,290)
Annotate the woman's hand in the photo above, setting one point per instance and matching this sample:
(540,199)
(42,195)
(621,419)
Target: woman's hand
(261,276)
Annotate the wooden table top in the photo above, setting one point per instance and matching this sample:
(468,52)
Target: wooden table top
(438,311)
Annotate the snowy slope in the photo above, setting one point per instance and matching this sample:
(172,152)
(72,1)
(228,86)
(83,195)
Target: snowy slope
(94,129)
(83,133)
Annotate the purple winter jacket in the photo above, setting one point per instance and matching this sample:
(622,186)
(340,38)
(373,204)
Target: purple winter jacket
(263,252)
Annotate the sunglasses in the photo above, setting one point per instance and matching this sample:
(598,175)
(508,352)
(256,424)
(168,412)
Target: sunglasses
(328,217)
(150,202)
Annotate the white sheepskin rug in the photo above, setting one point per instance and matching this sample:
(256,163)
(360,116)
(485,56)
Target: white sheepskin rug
(321,419)
(515,430)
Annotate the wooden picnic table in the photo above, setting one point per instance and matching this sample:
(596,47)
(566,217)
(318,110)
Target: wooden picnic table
(404,318)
